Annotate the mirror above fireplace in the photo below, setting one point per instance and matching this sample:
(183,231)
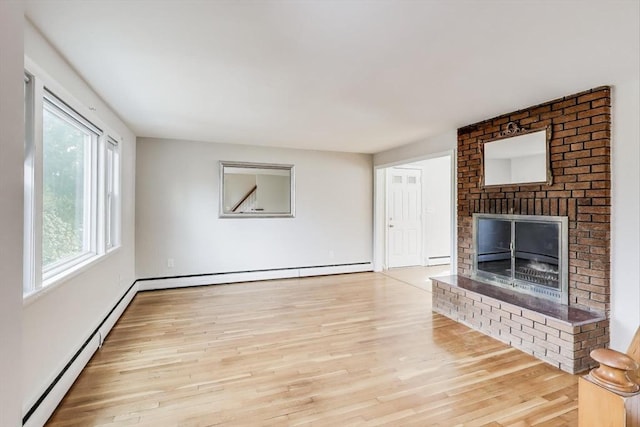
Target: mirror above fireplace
(517,156)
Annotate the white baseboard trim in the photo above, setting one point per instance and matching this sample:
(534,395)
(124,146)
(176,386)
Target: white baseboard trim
(39,411)
(335,269)
(55,395)
(113,317)
(250,276)
(438,260)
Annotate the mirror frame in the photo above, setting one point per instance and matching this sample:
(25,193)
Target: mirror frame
(250,165)
(512,130)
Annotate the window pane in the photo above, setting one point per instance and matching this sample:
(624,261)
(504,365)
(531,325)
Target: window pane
(29,180)
(66,148)
(112,194)
(109,196)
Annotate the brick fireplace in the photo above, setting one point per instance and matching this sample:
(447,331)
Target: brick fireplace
(580,164)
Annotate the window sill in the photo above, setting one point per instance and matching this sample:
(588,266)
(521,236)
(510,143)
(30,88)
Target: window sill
(55,281)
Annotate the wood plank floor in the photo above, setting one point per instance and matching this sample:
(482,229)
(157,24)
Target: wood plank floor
(358,349)
(418,276)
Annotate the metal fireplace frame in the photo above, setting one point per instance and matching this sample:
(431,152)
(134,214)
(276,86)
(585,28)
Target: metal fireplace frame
(560,295)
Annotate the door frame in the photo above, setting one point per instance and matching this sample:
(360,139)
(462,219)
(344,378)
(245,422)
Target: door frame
(380,230)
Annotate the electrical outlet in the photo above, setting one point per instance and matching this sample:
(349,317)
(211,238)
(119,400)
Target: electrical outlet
(170,263)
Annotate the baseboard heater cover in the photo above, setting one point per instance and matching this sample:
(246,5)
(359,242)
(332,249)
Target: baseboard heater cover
(39,412)
(250,276)
(439,260)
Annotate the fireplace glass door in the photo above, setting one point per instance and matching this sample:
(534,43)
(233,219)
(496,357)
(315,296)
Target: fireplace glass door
(528,254)
(494,246)
(537,253)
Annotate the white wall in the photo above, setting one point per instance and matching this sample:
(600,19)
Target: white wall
(625,210)
(436,181)
(436,208)
(11,209)
(177,211)
(63,317)
(417,150)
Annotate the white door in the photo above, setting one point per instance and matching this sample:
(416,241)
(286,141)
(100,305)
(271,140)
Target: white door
(404,244)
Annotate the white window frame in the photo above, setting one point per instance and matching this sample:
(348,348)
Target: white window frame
(41,89)
(112,194)
(55,105)
(29,273)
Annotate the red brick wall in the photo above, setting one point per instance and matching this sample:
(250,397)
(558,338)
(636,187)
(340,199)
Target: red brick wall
(581,190)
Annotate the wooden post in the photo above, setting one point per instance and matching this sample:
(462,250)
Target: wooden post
(600,407)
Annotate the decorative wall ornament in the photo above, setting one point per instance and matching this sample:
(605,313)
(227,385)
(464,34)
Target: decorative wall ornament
(513,129)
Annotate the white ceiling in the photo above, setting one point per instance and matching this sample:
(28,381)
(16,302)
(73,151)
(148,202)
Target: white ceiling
(359,76)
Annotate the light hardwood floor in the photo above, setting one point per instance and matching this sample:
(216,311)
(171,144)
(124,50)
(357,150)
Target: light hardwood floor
(357,349)
(418,276)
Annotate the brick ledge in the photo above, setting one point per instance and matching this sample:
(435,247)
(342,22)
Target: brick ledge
(563,313)
(561,337)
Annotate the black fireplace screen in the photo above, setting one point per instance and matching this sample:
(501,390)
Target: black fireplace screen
(521,252)
(494,246)
(537,253)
